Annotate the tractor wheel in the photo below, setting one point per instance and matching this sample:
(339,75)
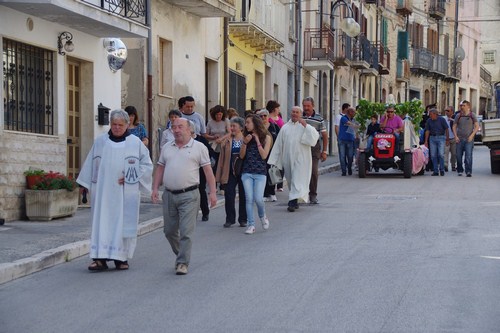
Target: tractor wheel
(362,165)
(407,165)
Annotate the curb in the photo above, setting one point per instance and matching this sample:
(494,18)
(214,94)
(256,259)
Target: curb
(46,259)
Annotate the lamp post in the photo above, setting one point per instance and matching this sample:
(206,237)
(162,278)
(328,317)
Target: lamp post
(352,29)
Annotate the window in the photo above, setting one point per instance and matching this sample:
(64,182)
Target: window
(28,88)
(489,57)
(165,68)
(291,21)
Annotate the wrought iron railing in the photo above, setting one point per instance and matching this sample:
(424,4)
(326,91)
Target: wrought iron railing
(135,10)
(363,50)
(455,69)
(485,75)
(438,7)
(318,44)
(422,59)
(384,56)
(343,47)
(440,64)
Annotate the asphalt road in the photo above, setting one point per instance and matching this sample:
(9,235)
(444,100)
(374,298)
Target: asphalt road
(381,254)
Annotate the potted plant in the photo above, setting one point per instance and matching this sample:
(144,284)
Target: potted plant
(53,195)
(33,176)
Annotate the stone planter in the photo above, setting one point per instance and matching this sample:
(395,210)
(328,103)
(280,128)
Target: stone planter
(46,205)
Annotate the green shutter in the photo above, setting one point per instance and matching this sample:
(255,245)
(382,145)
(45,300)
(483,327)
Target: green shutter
(403,45)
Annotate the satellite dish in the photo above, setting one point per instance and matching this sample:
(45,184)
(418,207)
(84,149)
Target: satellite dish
(459,54)
(350,27)
(117,53)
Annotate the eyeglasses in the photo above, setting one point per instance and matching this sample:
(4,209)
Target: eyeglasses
(390,111)
(263,115)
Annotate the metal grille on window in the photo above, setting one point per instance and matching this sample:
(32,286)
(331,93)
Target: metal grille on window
(28,88)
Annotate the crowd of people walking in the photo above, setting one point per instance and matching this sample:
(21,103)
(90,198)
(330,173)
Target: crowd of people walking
(236,153)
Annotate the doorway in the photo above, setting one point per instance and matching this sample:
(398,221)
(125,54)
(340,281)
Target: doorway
(73,118)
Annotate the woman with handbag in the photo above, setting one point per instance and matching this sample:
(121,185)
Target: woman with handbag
(257,143)
(229,176)
(273,129)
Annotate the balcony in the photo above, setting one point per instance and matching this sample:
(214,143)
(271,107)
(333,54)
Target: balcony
(255,34)
(402,70)
(100,18)
(437,9)
(342,50)
(362,57)
(440,65)
(422,61)
(455,71)
(206,8)
(318,49)
(404,7)
(373,61)
(384,60)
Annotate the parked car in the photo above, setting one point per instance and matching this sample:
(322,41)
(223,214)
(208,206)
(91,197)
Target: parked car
(479,134)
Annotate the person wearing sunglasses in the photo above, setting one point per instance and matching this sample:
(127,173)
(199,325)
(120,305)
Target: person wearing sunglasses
(391,123)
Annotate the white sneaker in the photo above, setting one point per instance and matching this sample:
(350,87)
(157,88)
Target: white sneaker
(267,199)
(250,230)
(273,198)
(265,223)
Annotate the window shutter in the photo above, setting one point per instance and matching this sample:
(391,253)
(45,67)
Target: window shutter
(403,44)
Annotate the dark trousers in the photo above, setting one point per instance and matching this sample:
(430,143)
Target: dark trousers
(313,183)
(205,210)
(230,196)
(269,189)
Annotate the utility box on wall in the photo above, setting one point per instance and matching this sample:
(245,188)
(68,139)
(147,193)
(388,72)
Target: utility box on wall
(102,115)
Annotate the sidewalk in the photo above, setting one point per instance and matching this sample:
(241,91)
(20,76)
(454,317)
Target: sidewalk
(27,247)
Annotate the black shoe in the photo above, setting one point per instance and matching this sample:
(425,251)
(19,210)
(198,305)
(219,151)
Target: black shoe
(441,173)
(204,218)
(453,169)
(349,172)
(243,224)
(446,169)
(291,209)
(469,175)
(343,174)
(313,201)
(435,174)
(227,225)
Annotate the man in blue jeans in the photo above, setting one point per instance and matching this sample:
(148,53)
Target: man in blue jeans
(346,141)
(436,135)
(465,126)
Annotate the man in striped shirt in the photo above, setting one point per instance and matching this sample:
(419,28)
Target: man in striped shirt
(315,120)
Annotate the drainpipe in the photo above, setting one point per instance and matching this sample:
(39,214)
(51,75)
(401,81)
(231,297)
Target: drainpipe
(454,57)
(225,79)
(150,78)
(298,47)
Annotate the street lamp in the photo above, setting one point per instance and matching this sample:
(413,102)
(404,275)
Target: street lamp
(351,29)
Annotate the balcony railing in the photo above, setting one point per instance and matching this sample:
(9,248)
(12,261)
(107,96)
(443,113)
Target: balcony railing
(440,65)
(485,75)
(318,49)
(437,9)
(362,53)
(343,50)
(384,58)
(206,8)
(135,10)
(402,70)
(404,7)
(422,60)
(455,72)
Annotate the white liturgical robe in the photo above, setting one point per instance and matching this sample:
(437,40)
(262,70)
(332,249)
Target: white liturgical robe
(292,153)
(115,207)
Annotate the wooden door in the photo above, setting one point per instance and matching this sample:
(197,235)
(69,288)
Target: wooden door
(73,118)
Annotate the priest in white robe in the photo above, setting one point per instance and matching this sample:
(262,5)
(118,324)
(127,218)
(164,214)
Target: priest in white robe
(117,169)
(292,153)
